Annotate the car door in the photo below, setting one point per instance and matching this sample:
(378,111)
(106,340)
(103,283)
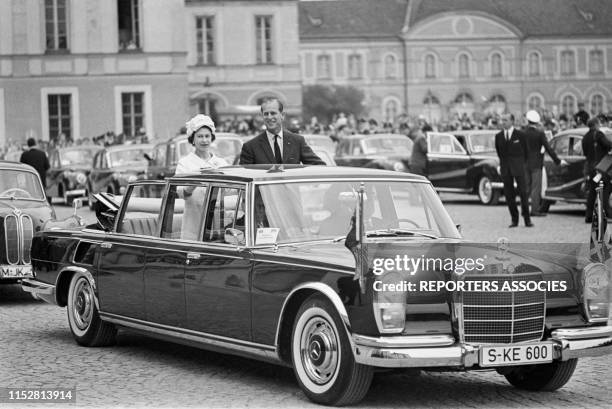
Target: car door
(565,182)
(447,161)
(123,255)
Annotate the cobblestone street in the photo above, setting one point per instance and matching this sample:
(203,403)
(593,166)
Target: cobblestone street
(38,351)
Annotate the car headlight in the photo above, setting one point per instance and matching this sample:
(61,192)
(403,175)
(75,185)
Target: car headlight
(81,178)
(399,167)
(596,292)
(389,302)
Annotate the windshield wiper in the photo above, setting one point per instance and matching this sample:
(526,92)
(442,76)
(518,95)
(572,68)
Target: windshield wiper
(398,232)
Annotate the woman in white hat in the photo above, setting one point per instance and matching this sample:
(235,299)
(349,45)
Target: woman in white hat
(200,134)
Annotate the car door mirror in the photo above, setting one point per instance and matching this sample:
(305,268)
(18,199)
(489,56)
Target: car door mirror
(234,236)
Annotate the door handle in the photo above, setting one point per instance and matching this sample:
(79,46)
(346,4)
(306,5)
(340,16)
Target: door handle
(106,245)
(192,256)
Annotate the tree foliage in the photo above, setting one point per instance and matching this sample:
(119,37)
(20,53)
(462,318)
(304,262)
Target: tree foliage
(325,101)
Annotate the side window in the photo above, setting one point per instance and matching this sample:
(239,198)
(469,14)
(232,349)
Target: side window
(159,155)
(457,148)
(357,148)
(184,212)
(441,144)
(142,209)
(225,210)
(576,146)
(561,145)
(342,148)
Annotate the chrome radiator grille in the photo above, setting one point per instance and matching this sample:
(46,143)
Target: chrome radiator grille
(502,316)
(18,232)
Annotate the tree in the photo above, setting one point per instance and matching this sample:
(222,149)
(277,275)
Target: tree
(325,101)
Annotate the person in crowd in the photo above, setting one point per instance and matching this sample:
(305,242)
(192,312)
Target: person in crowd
(511,149)
(418,159)
(595,146)
(37,159)
(276,145)
(536,145)
(581,117)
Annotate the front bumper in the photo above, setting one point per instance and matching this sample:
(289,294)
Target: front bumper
(39,289)
(443,351)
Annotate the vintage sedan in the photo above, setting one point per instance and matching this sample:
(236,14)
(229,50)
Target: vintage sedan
(567,183)
(114,167)
(379,151)
(67,177)
(321,280)
(23,211)
(465,162)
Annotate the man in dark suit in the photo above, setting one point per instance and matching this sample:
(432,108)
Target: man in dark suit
(275,144)
(37,159)
(595,146)
(512,151)
(536,145)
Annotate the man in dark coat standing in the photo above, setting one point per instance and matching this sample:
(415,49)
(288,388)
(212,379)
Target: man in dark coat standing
(512,151)
(418,159)
(595,146)
(536,145)
(275,144)
(37,159)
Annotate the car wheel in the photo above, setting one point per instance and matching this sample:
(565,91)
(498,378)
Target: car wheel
(322,357)
(546,377)
(486,193)
(85,324)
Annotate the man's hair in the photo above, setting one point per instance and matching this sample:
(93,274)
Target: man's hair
(271,99)
(31,142)
(593,122)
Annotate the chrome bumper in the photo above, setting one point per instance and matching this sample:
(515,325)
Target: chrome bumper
(497,185)
(40,290)
(75,192)
(443,351)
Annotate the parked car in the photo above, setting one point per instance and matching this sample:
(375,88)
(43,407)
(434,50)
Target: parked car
(23,211)
(567,183)
(321,143)
(217,261)
(380,151)
(67,177)
(114,167)
(482,176)
(13,156)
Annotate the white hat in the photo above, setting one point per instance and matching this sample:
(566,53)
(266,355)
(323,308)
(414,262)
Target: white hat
(533,117)
(197,122)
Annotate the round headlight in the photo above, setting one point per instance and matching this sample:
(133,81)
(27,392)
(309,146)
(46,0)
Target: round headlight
(81,178)
(399,167)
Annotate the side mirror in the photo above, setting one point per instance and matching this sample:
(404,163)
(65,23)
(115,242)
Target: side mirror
(234,236)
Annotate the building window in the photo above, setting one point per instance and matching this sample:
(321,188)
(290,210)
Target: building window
(430,66)
(534,64)
(56,25)
(464,66)
(263,39)
(132,112)
(324,66)
(205,40)
(496,65)
(129,24)
(390,66)
(354,66)
(391,110)
(208,106)
(535,102)
(60,118)
(568,105)
(568,63)
(597,104)
(596,62)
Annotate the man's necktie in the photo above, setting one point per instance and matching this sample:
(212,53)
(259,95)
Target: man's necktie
(507,135)
(277,151)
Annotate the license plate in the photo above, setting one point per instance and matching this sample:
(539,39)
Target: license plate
(17,271)
(516,354)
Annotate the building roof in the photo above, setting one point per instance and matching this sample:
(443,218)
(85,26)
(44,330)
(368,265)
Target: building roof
(534,18)
(351,18)
(385,18)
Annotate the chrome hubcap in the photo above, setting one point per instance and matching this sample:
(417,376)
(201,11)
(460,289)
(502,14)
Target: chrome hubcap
(82,305)
(485,190)
(319,350)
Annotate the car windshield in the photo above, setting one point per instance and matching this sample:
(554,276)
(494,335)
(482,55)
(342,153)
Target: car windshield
(482,142)
(322,210)
(127,157)
(16,184)
(387,145)
(77,157)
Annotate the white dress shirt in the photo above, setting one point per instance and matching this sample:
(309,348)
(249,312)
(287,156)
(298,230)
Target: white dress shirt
(280,140)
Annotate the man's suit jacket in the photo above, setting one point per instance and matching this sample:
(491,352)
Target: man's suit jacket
(595,146)
(535,140)
(38,160)
(512,154)
(295,151)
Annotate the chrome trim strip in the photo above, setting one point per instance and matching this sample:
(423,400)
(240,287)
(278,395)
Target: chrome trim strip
(582,333)
(569,349)
(6,241)
(331,295)
(497,185)
(404,341)
(510,320)
(266,352)
(451,356)
(386,179)
(565,185)
(39,289)
(22,241)
(286,263)
(453,189)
